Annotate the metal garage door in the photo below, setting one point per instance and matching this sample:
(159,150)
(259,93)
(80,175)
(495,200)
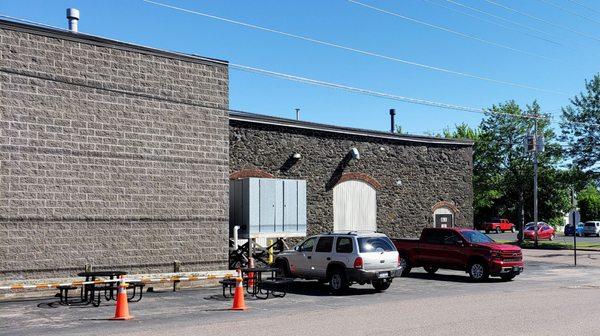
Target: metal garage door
(354,206)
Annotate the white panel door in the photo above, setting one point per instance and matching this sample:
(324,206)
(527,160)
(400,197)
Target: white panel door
(354,207)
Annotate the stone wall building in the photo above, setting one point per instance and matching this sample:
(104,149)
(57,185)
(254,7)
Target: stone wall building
(109,155)
(406,182)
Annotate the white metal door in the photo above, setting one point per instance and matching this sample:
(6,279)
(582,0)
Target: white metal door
(354,206)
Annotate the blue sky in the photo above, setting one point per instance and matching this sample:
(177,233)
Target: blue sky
(342,22)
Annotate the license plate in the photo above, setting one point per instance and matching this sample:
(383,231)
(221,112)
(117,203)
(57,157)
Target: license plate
(383,274)
(515,269)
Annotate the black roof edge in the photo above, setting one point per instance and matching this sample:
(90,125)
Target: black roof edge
(284,122)
(54,32)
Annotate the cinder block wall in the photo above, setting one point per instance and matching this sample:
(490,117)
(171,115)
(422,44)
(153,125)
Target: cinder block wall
(430,173)
(90,176)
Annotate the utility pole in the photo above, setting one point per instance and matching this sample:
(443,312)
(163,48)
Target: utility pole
(574,220)
(535,179)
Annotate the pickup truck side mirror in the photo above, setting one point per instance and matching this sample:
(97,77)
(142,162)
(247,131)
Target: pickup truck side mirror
(296,248)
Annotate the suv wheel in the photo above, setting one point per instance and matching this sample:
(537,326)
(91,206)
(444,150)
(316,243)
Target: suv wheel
(478,271)
(381,285)
(497,229)
(405,264)
(337,281)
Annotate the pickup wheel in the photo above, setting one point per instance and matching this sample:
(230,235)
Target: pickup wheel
(337,281)
(478,271)
(283,268)
(381,285)
(430,270)
(498,229)
(404,264)
(508,277)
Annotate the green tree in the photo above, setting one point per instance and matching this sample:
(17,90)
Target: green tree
(461,131)
(583,139)
(503,172)
(588,201)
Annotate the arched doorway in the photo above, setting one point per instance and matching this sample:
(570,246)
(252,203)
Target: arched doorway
(354,206)
(444,214)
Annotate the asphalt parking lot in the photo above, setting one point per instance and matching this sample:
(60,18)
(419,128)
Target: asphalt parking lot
(444,304)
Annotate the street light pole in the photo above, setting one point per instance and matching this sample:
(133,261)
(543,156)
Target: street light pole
(535,180)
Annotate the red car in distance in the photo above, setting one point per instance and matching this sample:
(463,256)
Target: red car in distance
(498,225)
(545,231)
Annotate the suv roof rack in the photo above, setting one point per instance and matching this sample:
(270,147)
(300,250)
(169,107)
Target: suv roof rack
(353,232)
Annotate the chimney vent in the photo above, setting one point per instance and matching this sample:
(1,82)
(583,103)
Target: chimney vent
(392,121)
(73,17)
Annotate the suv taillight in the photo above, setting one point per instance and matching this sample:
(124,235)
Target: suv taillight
(398,263)
(358,263)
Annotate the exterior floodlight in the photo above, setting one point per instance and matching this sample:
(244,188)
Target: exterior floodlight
(355,154)
(297,156)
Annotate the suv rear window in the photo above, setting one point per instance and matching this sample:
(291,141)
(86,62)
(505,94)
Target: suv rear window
(375,244)
(325,244)
(343,245)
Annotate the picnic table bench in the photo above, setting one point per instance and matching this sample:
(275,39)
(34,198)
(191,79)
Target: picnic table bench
(93,292)
(257,285)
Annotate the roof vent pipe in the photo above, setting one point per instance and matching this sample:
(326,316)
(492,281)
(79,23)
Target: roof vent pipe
(73,17)
(392,120)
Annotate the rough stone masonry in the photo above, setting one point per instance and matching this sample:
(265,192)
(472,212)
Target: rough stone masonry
(92,175)
(413,175)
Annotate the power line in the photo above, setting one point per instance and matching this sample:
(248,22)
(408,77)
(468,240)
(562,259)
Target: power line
(493,22)
(553,4)
(451,31)
(585,6)
(395,97)
(498,17)
(359,51)
(282,76)
(542,20)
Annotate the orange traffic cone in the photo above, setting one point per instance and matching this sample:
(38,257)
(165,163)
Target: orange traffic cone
(238,296)
(251,274)
(122,307)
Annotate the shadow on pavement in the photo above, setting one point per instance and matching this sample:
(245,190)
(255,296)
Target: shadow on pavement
(448,277)
(314,288)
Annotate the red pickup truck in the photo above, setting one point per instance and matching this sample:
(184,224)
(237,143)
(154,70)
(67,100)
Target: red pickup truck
(499,225)
(460,249)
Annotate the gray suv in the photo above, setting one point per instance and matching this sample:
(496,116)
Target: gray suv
(341,259)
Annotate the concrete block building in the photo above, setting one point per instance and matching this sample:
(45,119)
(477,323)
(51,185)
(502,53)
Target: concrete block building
(119,156)
(111,154)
